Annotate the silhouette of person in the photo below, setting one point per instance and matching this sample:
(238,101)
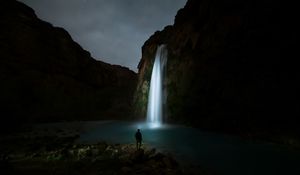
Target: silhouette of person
(138,138)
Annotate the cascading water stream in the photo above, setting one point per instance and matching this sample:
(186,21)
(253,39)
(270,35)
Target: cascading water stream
(157,96)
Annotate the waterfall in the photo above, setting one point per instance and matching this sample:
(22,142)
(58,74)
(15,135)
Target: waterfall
(157,96)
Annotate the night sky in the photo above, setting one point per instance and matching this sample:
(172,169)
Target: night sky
(113,31)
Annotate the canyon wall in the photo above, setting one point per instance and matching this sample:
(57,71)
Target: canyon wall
(223,70)
(46,76)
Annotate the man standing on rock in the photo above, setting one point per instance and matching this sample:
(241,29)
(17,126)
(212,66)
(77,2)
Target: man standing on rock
(138,138)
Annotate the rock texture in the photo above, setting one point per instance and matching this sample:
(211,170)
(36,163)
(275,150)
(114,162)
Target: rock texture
(223,69)
(61,155)
(46,76)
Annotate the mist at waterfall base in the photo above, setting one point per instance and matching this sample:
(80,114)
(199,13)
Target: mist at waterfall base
(157,93)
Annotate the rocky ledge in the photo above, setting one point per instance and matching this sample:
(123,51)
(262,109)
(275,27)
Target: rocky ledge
(61,155)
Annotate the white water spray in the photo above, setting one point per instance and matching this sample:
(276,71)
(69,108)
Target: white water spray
(156,100)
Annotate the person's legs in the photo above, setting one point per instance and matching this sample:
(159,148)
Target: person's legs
(140,144)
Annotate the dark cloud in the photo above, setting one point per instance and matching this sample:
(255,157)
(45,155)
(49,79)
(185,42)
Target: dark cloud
(112,30)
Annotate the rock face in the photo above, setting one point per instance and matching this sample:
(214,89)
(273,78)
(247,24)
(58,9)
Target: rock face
(45,75)
(223,69)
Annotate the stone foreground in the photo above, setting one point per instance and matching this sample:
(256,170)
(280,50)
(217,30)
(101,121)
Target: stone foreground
(61,155)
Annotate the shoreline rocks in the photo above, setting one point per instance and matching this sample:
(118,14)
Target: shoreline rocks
(33,154)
